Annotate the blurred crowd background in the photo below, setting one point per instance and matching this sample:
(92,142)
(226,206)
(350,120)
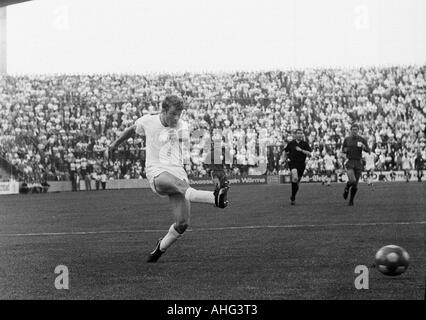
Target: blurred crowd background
(53,127)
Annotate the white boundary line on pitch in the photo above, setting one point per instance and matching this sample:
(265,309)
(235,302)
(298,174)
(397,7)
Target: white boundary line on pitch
(288,226)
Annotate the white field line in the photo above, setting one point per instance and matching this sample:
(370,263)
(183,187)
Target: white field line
(286,226)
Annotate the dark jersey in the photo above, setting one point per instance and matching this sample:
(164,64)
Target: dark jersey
(352,147)
(297,158)
(419,163)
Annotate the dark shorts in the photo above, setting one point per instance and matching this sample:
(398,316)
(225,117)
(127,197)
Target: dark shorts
(356,166)
(300,170)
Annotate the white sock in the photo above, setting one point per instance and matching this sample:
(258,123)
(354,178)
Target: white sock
(169,238)
(201,196)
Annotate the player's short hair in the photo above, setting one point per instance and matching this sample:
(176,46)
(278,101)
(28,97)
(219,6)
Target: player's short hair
(171,101)
(299,130)
(354,125)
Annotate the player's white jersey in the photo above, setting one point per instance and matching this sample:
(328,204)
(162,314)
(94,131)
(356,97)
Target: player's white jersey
(329,162)
(406,165)
(163,146)
(370,159)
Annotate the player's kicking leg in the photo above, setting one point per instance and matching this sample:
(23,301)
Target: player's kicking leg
(167,184)
(181,210)
(181,195)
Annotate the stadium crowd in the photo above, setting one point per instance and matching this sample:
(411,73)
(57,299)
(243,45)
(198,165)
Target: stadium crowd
(56,126)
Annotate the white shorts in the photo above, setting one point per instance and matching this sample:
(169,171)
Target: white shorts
(369,168)
(153,172)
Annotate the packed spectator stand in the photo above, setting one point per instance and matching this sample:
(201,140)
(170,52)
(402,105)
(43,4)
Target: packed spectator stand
(56,126)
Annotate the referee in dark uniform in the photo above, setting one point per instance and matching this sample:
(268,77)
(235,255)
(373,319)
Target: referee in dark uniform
(353,147)
(419,165)
(296,151)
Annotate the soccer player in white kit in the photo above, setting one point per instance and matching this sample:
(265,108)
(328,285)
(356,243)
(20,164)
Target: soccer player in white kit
(406,166)
(370,160)
(165,171)
(329,164)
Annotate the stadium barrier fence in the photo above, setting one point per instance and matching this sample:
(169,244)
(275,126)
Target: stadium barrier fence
(12,187)
(262,179)
(383,176)
(61,186)
(9,187)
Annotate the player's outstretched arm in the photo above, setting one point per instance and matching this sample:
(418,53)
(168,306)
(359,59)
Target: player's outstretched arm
(127,133)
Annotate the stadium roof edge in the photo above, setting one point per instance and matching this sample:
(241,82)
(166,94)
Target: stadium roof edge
(4,3)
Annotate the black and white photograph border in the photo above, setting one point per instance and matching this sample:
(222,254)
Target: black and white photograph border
(213,155)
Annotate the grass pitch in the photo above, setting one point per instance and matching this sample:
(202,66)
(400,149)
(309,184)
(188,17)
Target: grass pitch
(259,247)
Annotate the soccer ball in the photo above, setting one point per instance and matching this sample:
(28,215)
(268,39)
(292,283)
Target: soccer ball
(392,260)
